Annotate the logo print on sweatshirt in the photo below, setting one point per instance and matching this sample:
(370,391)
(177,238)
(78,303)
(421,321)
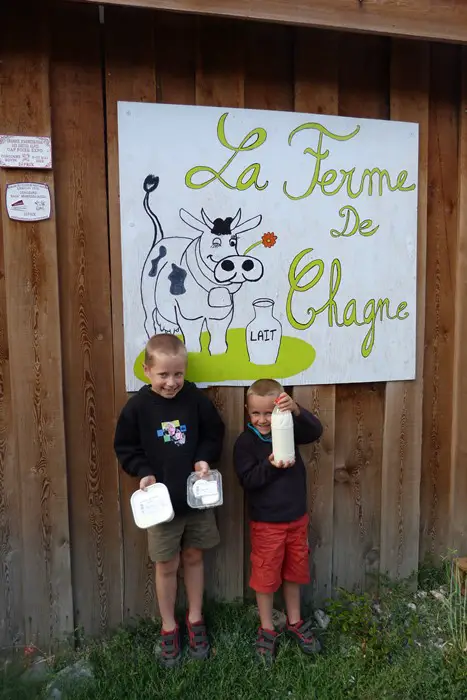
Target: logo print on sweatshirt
(172,431)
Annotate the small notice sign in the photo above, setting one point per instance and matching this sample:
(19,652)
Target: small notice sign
(25,151)
(28,201)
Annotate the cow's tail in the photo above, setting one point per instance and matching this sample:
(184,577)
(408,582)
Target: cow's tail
(150,184)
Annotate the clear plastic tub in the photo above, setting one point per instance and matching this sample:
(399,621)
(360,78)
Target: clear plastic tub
(152,506)
(204,491)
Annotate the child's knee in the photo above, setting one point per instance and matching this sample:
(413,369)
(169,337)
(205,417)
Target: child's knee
(192,556)
(168,568)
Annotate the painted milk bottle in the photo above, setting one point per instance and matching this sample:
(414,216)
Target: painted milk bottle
(283,446)
(263,334)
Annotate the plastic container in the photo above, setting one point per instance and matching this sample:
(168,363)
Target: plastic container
(152,506)
(204,491)
(283,445)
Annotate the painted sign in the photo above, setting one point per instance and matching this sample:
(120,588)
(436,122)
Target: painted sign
(25,151)
(28,201)
(276,244)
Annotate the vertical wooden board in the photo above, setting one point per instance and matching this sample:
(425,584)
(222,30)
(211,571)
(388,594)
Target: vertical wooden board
(402,443)
(175,79)
(440,295)
(84,277)
(316,92)
(358,425)
(129,75)
(269,84)
(363,92)
(269,67)
(33,326)
(219,82)
(458,490)
(175,61)
(11,588)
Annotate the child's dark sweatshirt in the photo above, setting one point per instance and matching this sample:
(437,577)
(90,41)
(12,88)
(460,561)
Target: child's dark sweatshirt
(165,437)
(274,495)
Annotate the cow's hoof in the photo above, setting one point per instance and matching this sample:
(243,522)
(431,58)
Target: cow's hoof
(217,349)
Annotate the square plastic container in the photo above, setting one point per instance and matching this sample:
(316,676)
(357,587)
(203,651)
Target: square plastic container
(152,506)
(206,491)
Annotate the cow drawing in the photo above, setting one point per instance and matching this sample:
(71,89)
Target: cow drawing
(188,283)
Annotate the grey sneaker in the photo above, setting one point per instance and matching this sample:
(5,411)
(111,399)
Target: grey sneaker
(199,647)
(171,654)
(266,646)
(303,635)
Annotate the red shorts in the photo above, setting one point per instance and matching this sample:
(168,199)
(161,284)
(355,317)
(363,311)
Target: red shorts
(279,552)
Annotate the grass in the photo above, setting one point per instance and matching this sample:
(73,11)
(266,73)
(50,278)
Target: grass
(401,645)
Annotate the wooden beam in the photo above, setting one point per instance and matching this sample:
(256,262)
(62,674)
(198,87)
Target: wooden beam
(403,416)
(458,481)
(444,20)
(30,288)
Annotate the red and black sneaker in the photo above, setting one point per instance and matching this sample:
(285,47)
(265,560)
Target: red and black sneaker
(199,647)
(266,645)
(302,633)
(171,653)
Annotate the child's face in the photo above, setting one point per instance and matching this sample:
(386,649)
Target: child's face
(166,374)
(260,409)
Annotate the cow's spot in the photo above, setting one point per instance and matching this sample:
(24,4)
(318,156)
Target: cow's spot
(177,280)
(155,262)
(248,265)
(227,265)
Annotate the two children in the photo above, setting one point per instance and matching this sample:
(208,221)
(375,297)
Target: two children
(170,428)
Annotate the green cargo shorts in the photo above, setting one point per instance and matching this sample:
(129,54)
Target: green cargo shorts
(196,529)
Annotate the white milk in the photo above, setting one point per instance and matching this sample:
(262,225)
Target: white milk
(283,446)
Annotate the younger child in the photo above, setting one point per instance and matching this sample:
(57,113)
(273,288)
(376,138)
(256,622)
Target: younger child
(164,432)
(276,496)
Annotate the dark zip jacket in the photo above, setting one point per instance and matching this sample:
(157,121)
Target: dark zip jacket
(274,495)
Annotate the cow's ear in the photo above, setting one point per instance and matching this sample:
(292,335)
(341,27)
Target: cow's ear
(248,225)
(192,221)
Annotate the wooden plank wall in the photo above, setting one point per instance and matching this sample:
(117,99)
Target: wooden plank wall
(387,482)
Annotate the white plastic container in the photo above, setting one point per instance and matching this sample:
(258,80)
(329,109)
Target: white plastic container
(206,491)
(152,506)
(283,445)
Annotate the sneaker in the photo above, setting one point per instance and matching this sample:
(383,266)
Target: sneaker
(266,645)
(302,633)
(198,641)
(171,654)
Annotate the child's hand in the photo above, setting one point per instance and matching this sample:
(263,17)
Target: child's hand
(147,481)
(281,465)
(202,468)
(286,403)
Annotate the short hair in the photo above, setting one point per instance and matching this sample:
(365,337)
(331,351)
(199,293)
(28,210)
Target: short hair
(265,387)
(163,344)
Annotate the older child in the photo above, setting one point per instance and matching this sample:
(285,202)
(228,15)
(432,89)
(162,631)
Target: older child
(164,432)
(276,496)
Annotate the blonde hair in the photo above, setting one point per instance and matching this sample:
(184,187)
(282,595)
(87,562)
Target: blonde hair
(163,344)
(265,387)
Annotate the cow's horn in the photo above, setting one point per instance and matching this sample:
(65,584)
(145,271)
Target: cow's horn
(236,220)
(206,219)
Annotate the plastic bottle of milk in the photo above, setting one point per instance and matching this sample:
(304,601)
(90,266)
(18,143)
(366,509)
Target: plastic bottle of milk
(283,447)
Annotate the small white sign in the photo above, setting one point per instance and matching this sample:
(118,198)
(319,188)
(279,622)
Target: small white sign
(28,201)
(25,151)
